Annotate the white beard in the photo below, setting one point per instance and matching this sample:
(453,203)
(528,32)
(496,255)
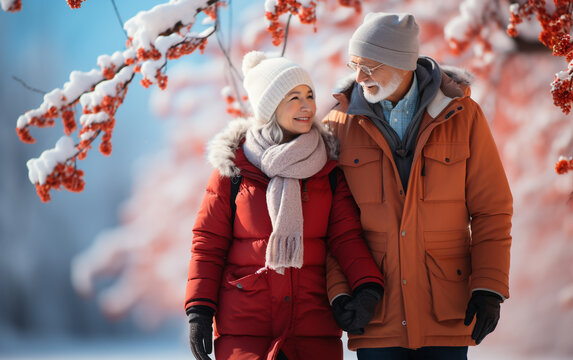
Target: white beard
(383,91)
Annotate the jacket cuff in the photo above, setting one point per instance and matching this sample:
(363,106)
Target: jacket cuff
(492,293)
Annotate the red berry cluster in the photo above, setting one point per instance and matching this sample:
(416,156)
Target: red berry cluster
(307,15)
(555,35)
(356,4)
(233,107)
(152,53)
(75,4)
(16,6)
(564,165)
(555,26)
(186,48)
(45,120)
(211,10)
(562,93)
(67,176)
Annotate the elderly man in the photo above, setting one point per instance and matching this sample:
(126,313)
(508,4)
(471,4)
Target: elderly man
(434,200)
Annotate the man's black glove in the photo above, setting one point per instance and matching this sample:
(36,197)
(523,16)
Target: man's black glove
(200,331)
(363,303)
(485,305)
(342,316)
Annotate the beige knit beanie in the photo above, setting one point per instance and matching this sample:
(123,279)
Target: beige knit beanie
(268,80)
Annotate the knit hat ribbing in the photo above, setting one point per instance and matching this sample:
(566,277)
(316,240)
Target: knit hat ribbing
(390,39)
(268,80)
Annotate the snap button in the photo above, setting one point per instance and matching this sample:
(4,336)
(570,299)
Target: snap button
(447,159)
(404,322)
(403,233)
(287,298)
(404,281)
(459,272)
(356,161)
(239,285)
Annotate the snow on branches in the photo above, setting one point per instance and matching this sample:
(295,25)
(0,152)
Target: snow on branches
(155,36)
(16,5)
(555,21)
(478,25)
(11,5)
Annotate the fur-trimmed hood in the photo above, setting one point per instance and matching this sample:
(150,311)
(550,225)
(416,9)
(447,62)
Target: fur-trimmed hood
(222,148)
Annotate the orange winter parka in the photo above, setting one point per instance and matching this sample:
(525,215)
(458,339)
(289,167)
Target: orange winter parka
(259,311)
(447,235)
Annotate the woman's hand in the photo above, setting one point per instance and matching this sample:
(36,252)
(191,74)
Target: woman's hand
(201,331)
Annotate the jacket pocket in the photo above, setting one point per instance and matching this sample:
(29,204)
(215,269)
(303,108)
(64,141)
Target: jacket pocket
(250,282)
(449,269)
(444,171)
(244,299)
(363,171)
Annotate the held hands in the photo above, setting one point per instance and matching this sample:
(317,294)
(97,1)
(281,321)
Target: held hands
(352,314)
(201,331)
(485,305)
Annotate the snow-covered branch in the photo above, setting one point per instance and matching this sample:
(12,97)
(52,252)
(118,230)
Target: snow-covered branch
(11,5)
(555,21)
(155,36)
(16,5)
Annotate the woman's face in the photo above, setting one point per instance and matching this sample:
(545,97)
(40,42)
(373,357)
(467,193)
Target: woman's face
(296,111)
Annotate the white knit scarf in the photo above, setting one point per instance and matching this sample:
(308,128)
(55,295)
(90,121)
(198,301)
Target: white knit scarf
(285,164)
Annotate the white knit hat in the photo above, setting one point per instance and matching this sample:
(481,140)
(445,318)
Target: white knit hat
(390,39)
(268,80)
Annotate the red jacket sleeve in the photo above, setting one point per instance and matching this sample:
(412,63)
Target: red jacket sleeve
(212,234)
(347,245)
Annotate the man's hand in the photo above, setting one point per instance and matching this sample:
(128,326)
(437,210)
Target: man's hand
(201,331)
(485,305)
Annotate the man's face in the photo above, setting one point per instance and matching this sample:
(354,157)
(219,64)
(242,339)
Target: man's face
(385,82)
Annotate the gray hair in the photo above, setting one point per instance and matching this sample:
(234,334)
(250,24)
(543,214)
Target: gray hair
(272,130)
(275,134)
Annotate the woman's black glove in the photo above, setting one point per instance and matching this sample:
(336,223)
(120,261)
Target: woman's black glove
(342,316)
(200,331)
(486,305)
(364,301)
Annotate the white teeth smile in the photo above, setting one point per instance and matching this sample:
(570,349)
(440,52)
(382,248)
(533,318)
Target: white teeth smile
(302,118)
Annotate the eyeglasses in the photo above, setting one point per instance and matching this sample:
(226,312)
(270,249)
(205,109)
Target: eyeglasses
(365,69)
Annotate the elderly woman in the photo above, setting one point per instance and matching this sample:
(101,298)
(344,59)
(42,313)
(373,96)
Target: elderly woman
(258,256)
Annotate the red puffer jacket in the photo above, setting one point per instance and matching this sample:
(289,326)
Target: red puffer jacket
(259,311)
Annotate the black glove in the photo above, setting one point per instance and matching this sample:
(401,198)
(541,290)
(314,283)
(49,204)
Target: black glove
(200,331)
(363,303)
(342,316)
(486,305)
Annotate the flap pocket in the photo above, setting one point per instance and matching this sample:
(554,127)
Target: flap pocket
(447,154)
(363,171)
(449,281)
(449,265)
(249,282)
(359,156)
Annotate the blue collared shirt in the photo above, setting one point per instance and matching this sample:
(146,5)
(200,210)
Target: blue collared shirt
(400,116)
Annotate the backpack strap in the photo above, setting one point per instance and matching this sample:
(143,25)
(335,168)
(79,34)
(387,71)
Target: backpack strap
(235,182)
